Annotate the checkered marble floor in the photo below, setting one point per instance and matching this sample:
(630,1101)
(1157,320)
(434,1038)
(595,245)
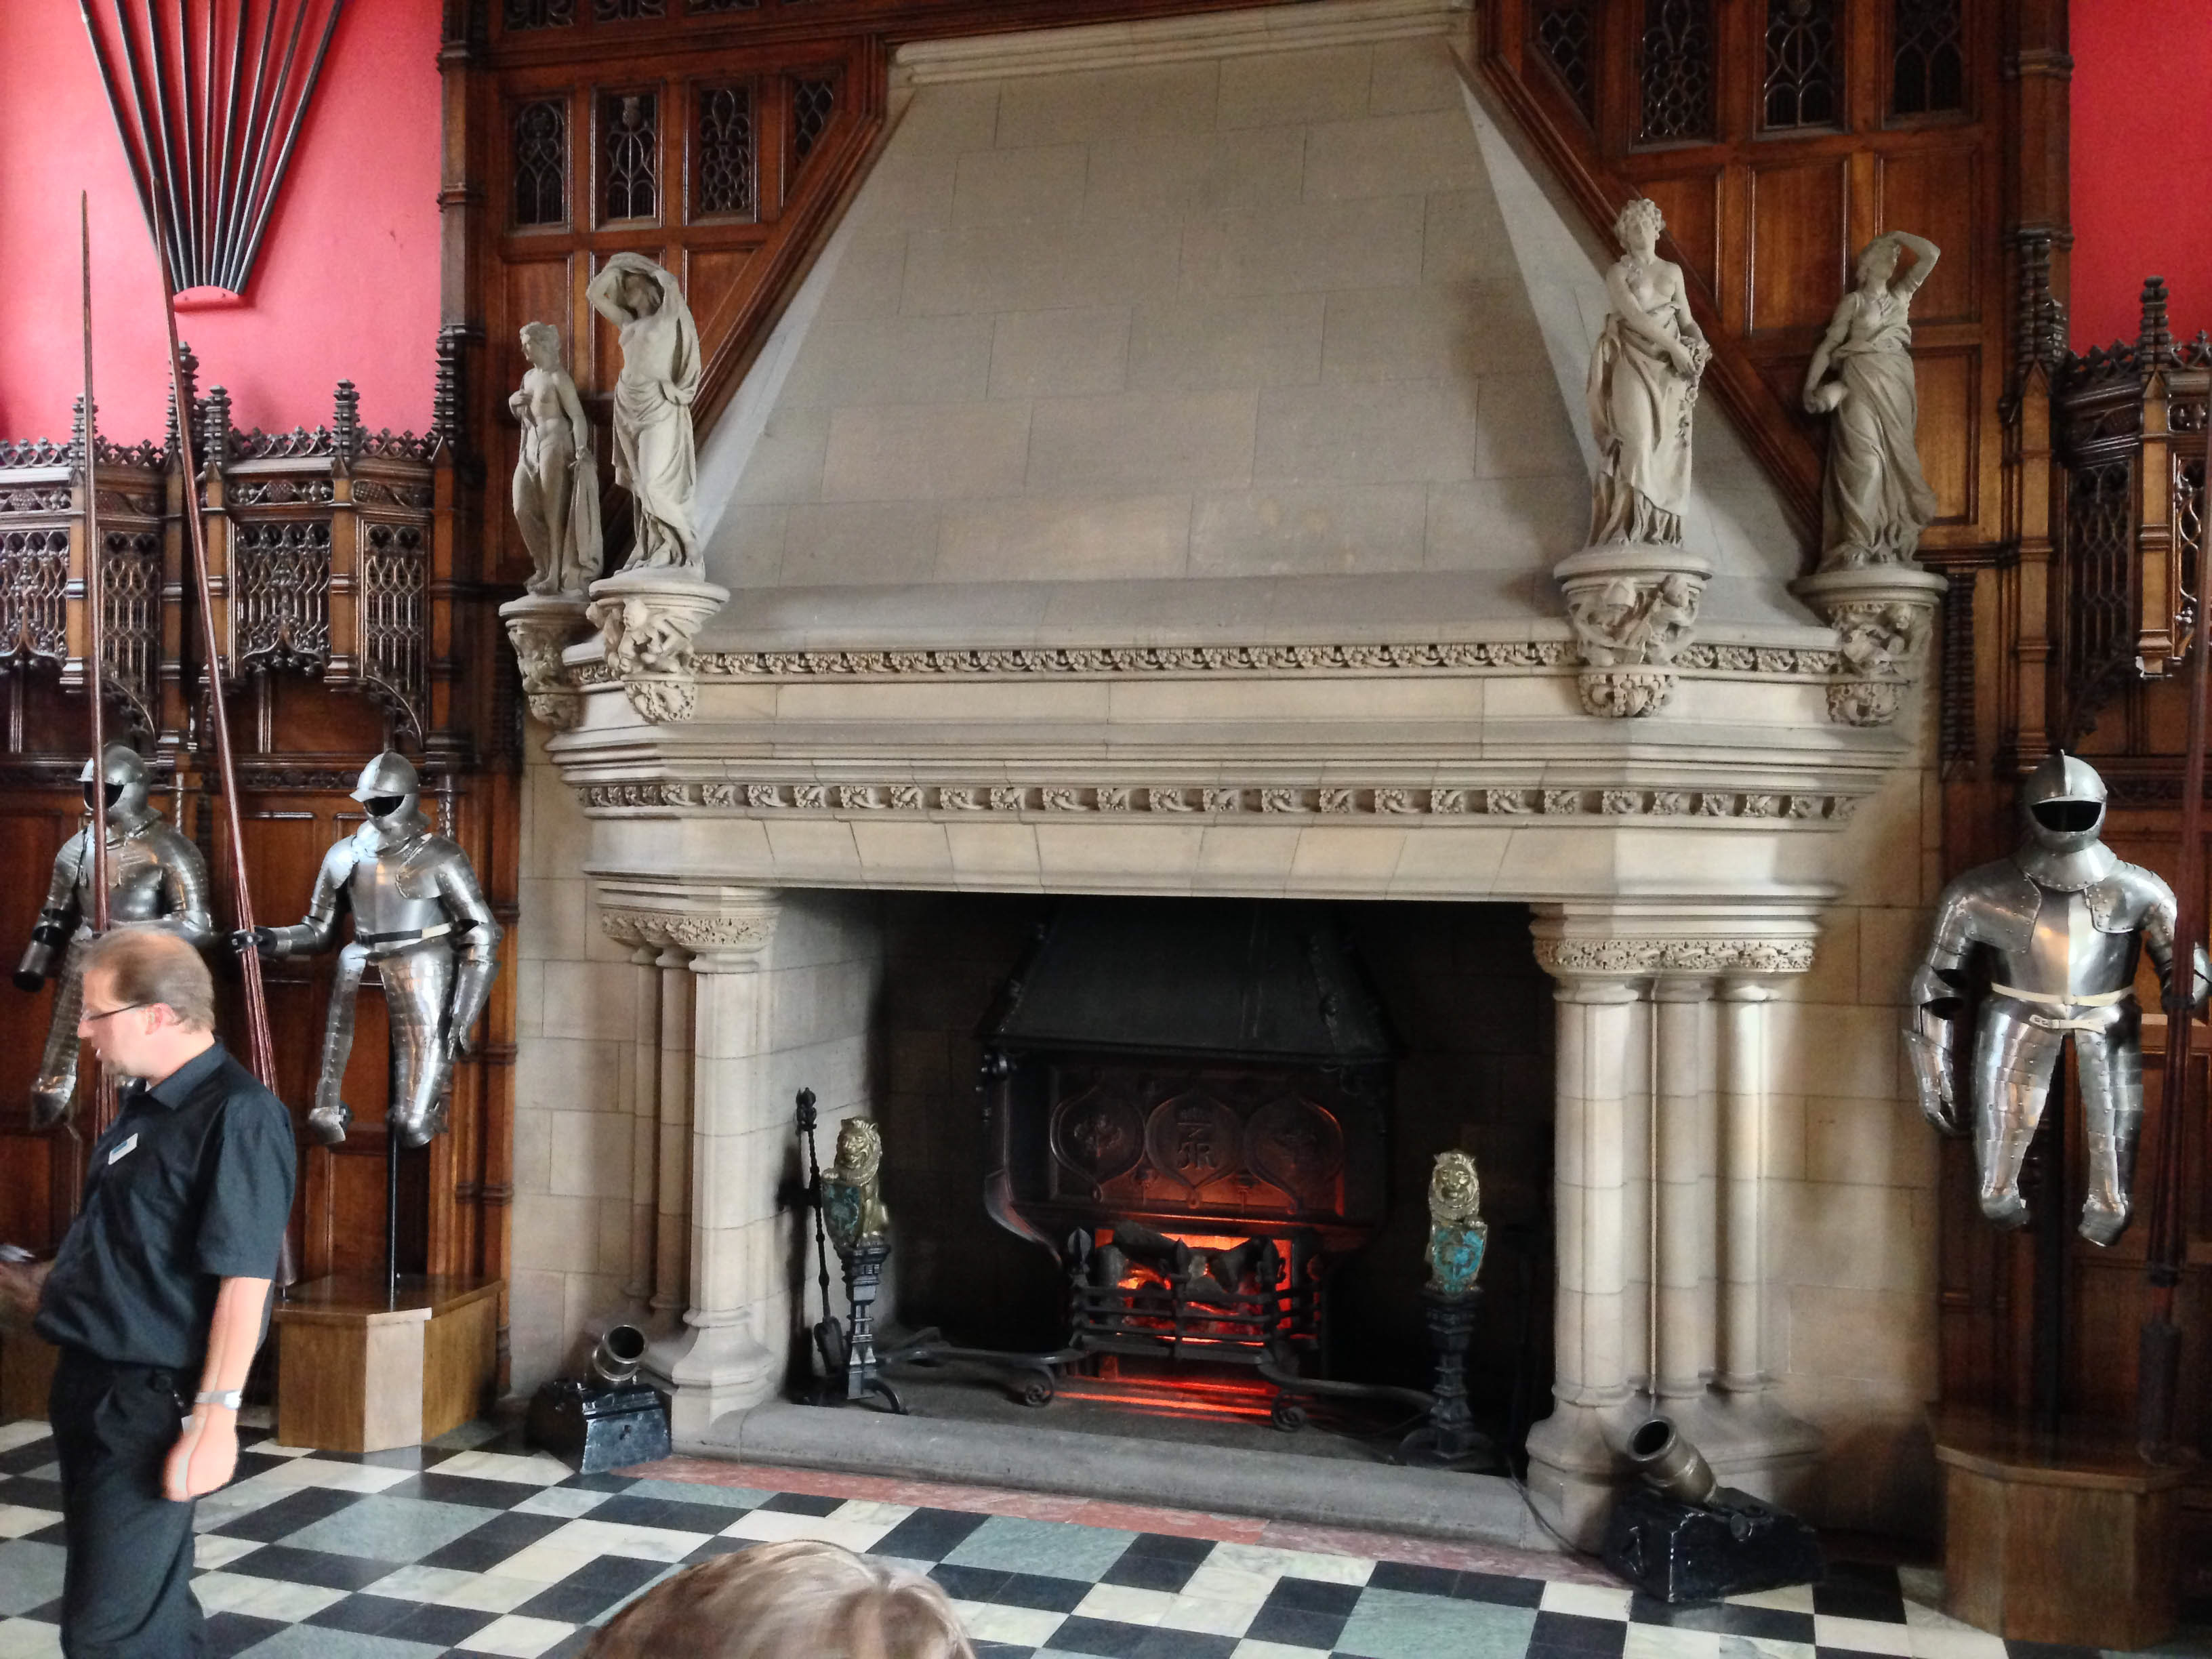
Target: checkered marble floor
(476,1545)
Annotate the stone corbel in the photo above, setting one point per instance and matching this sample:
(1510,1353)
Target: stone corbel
(541,626)
(648,619)
(1883,616)
(1633,606)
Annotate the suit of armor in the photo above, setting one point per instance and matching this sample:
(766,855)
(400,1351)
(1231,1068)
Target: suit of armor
(2059,924)
(420,917)
(155,878)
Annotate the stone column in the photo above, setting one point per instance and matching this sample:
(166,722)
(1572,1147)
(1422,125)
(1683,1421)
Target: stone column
(1601,1074)
(1684,1165)
(645,1127)
(1639,1205)
(671,1253)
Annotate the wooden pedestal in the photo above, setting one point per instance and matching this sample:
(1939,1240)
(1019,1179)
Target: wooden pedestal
(356,1372)
(2065,1538)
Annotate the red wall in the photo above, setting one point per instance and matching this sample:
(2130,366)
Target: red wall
(2141,163)
(346,287)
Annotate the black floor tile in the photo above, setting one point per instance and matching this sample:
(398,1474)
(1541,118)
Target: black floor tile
(714,1547)
(1412,1579)
(1164,1644)
(585,1593)
(1571,1632)
(1300,1627)
(927,1535)
(296,1567)
(35,1494)
(669,1513)
(1029,1589)
(1105,1636)
(601,1482)
(1503,1588)
(1853,1591)
(969,1584)
(31,1454)
(2045,1650)
(229,1633)
(439,1626)
(1152,1572)
(493,1542)
(1001,1651)
(459,1489)
(1314,1596)
(365,1615)
(800,1502)
(290,1514)
(1170,1546)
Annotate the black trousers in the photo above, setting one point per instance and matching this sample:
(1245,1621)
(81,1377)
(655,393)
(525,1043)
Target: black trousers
(126,1590)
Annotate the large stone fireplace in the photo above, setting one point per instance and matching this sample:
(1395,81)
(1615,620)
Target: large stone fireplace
(1154,492)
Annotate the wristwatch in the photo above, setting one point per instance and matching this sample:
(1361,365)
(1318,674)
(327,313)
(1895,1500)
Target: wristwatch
(230,1397)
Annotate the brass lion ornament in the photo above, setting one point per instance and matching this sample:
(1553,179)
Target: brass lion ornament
(1457,1233)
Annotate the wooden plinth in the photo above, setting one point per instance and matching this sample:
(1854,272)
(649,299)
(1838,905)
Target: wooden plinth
(2069,1538)
(358,1372)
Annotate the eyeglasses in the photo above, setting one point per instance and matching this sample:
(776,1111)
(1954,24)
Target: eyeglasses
(110,1013)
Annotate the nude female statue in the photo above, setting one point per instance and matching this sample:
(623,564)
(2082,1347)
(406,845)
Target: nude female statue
(654,457)
(556,485)
(1643,386)
(1876,500)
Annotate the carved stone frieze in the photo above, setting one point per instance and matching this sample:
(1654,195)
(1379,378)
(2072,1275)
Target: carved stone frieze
(1883,616)
(1648,956)
(1059,799)
(720,934)
(648,619)
(542,627)
(1633,606)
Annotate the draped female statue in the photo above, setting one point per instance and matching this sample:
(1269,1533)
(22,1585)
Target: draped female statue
(654,457)
(556,484)
(1876,500)
(1643,386)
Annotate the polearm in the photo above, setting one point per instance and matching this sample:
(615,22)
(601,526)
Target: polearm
(96,654)
(260,1052)
(2158,1377)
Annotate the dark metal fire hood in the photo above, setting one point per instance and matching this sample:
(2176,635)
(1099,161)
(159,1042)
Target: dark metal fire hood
(1250,980)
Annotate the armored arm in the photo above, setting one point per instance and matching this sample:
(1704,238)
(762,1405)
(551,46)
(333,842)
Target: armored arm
(1938,996)
(476,940)
(318,932)
(58,918)
(190,914)
(2158,925)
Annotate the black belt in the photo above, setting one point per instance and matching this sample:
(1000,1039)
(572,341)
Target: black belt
(413,935)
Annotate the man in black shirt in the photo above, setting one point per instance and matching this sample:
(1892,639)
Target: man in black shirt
(160,1285)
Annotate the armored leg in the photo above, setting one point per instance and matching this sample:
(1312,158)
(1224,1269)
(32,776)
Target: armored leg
(2111,1122)
(328,1119)
(2014,1062)
(417,985)
(56,1087)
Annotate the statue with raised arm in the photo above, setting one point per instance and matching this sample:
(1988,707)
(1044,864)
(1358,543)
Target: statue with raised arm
(1876,500)
(556,484)
(2058,926)
(655,459)
(419,916)
(1643,386)
(155,878)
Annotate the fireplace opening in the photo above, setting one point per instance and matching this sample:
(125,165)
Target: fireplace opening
(1199,1151)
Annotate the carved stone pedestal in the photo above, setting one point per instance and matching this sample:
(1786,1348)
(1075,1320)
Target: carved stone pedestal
(1634,605)
(1883,615)
(541,626)
(648,619)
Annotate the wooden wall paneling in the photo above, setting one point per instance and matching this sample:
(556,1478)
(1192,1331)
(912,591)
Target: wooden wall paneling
(1948,380)
(1937,193)
(1797,262)
(1691,204)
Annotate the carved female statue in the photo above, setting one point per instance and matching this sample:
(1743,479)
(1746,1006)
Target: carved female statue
(556,484)
(1876,500)
(654,457)
(1643,386)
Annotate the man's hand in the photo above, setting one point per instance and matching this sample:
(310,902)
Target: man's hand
(21,1284)
(205,1456)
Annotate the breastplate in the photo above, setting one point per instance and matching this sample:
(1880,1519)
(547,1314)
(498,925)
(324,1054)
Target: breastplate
(396,890)
(2067,956)
(136,892)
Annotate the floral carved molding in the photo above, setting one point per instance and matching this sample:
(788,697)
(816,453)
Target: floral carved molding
(1381,801)
(706,933)
(1648,956)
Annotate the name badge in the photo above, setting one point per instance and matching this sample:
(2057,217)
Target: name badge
(123,1150)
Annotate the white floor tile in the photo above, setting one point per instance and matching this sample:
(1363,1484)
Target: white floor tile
(1664,1641)
(29,1638)
(262,1598)
(1026,1627)
(15,1520)
(1589,1601)
(593,1538)
(1790,1598)
(302,1473)
(210,1551)
(560,1500)
(1248,1648)
(1125,1604)
(1862,1635)
(536,1469)
(515,1636)
(776,1526)
(22,1433)
(1953,1640)
(1209,1616)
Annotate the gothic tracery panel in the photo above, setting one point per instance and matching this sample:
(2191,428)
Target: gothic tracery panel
(1804,82)
(281,615)
(725,152)
(539,14)
(812,103)
(1674,71)
(1927,58)
(541,163)
(1564,32)
(630,155)
(34,580)
(130,595)
(395,579)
